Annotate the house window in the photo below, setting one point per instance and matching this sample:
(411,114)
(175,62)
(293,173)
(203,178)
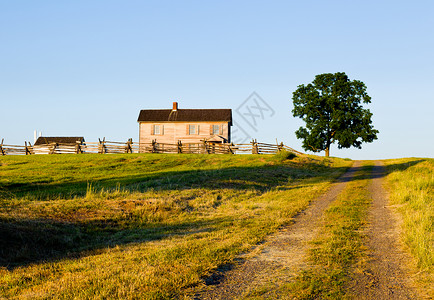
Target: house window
(215,130)
(192,129)
(158,130)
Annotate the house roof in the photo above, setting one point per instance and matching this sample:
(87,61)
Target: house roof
(43,140)
(185,115)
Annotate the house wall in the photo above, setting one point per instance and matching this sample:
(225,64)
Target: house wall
(175,131)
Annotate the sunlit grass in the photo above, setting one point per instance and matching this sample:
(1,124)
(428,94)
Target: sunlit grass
(141,226)
(411,186)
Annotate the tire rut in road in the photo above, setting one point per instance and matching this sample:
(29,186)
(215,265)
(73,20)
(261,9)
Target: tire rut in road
(282,254)
(383,276)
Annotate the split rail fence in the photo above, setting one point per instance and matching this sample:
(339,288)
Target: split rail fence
(107,147)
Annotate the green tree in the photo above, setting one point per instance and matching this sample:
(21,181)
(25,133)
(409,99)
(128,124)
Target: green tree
(331,108)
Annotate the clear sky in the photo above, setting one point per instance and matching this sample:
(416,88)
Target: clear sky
(86,68)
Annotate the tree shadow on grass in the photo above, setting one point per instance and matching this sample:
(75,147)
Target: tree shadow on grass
(377,171)
(29,241)
(25,242)
(238,178)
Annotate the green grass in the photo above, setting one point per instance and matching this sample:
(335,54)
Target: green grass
(141,226)
(411,186)
(339,245)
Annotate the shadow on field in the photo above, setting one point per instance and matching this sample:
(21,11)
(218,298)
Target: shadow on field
(238,178)
(28,241)
(25,241)
(377,172)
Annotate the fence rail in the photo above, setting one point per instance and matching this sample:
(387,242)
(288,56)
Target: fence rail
(107,147)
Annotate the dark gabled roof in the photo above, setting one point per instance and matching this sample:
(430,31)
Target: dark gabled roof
(43,140)
(185,115)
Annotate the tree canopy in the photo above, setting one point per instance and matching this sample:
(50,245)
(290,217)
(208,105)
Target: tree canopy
(331,108)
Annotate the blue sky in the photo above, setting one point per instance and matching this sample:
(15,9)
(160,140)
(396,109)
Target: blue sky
(87,67)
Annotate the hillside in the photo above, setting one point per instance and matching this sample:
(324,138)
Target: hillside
(148,225)
(157,226)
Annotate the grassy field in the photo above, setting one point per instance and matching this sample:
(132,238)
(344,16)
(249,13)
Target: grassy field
(141,226)
(411,186)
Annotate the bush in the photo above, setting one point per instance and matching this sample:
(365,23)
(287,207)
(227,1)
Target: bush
(285,155)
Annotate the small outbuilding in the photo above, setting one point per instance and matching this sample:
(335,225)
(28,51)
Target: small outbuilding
(57,144)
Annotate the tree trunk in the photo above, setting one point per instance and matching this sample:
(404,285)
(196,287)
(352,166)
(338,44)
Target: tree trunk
(327,150)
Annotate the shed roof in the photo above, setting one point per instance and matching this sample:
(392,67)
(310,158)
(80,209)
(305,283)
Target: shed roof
(217,138)
(43,140)
(185,115)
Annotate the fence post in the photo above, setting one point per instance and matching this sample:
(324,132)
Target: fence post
(255,149)
(280,147)
(101,147)
(1,148)
(128,148)
(230,150)
(52,150)
(206,147)
(154,146)
(28,152)
(179,146)
(78,149)
(31,151)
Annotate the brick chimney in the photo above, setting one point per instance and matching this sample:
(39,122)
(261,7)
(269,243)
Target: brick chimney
(175,106)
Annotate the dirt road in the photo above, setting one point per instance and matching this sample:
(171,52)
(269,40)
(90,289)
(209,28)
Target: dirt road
(384,276)
(284,254)
(286,250)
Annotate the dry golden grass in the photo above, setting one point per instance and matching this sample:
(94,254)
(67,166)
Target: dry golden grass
(141,226)
(411,186)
